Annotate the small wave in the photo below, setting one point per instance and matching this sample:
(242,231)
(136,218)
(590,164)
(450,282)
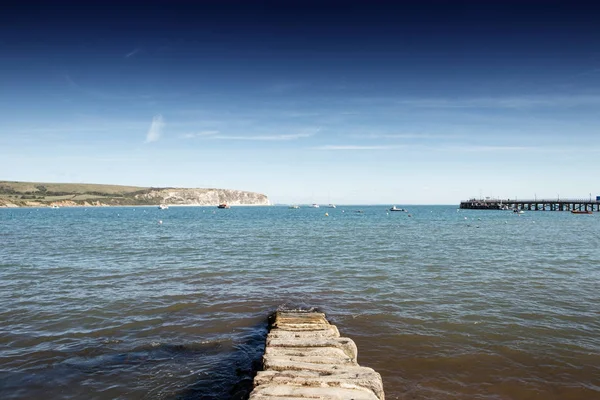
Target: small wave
(291,307)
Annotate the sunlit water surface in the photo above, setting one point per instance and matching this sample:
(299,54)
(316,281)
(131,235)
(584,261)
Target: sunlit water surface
(105,303)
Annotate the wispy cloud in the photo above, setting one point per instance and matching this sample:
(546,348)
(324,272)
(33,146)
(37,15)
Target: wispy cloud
(104,95)
(132,53)
(283,137)
(216,135)
(156,127)
(407,136)
(282,87)
(517,102)
(492,102)
(199,134)
(554,149)
(489,148)
(355,147)
(427,148)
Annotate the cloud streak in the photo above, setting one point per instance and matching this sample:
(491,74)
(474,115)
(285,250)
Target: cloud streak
(489,148)
(216,135)
(407,136)
(458,148)
(132,53)
(199,134)
(499,102)
(156,127)
(283,137)
(509,102)
(102,95)
(355,147)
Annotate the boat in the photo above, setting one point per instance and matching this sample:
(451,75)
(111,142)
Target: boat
(54,206)
(331,206)
(314,205)
(394,208)
(518,211)
(163,207)
(581,212)
(223,205)
(294,207)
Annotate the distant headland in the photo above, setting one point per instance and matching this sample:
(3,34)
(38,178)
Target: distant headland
(38,194)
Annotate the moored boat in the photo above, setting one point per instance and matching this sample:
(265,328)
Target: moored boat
(223,205)
(581,212)
(394,208)
(294,206)
(163,207)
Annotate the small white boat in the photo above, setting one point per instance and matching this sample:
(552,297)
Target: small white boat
(331,206)
(394,208)
(294,207)
(54,206)
(314,205)
(163,207)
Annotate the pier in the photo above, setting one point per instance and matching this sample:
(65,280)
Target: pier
(305,358)
(533,204)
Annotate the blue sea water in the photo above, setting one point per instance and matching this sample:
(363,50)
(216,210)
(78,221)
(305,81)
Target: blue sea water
(105,303)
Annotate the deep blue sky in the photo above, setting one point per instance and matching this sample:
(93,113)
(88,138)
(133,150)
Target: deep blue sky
(423,102)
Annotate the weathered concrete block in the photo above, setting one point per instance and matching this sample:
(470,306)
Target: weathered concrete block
(347,345)
(305,358)
(304,353)
(363,378)
(312,392)
(328,331)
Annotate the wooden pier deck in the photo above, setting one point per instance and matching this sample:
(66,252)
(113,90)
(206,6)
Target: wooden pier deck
(305,358)
(532,204)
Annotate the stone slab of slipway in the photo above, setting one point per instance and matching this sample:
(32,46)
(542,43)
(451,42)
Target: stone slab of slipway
(305,358)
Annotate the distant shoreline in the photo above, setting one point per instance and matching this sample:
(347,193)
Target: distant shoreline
(37,194)
(133,206)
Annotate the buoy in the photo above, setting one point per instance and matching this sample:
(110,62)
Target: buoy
(327,214)
(466,218)
(159,221)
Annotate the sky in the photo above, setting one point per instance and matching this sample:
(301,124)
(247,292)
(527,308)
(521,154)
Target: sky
(426,102)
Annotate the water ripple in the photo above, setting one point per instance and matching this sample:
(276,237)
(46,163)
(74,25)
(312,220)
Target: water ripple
(107,303)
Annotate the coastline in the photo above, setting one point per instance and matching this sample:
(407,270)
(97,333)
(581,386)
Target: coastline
(12,206)
(34,194)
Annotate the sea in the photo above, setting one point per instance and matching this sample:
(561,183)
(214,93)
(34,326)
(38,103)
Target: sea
(142,303)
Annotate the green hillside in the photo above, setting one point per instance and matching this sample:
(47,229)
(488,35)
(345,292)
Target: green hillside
(22,193)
